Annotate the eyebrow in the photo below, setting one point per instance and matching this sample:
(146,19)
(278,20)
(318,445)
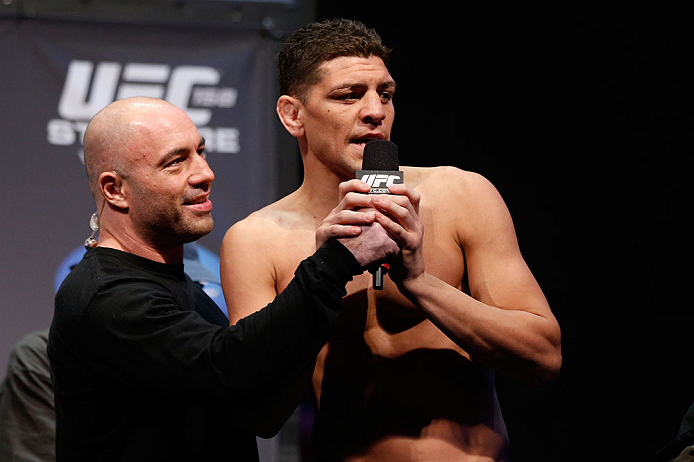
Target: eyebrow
(177,152)
(387,84)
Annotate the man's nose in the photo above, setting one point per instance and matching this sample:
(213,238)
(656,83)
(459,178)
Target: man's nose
(202,173)
(373,110)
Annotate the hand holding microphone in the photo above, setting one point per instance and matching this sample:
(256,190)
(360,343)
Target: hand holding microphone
(392,230)
(380,169)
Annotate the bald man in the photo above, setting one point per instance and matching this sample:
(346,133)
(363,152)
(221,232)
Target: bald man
(143,363)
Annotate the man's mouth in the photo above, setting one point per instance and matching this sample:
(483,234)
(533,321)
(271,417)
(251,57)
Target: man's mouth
(364,140)
(199,201)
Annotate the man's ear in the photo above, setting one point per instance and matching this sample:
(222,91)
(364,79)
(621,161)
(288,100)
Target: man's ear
(111,187)
(288,109)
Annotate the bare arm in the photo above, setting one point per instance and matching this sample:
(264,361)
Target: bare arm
(507,324)
(247,268)
(258,258)
(248,277)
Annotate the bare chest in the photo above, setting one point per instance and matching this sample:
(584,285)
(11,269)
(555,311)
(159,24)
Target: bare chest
(384,319)
(392,325)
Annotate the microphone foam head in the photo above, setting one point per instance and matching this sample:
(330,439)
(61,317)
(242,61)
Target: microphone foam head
(380,155)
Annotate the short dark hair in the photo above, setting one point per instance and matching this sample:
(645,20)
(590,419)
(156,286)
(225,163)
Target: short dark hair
(312,45)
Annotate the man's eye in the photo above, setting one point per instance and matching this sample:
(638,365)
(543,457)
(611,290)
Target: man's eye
(175,162)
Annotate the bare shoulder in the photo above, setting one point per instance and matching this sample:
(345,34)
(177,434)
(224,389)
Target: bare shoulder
(275,238)
(444,185)
(259,255)
(271,222)
(462,204)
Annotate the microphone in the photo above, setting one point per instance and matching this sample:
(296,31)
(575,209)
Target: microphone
(380,169)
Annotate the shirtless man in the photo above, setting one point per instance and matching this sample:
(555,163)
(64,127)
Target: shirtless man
(408,372)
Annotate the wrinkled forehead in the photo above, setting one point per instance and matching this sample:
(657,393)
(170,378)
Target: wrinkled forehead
(162,128)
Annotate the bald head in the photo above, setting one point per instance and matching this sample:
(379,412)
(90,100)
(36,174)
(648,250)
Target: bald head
(110,140)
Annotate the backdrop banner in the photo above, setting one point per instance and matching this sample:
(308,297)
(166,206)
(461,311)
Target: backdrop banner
(54,76)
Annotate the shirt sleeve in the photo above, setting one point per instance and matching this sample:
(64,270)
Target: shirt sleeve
(137,336)
(27,411)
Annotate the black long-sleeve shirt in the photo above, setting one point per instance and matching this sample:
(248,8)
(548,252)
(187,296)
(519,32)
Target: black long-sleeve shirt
(145,367)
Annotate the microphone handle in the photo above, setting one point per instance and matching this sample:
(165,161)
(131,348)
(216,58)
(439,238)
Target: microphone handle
(378,274)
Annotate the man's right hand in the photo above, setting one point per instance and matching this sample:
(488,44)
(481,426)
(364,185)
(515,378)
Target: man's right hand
(353,223)
(373,245)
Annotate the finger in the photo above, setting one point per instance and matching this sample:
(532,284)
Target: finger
(353,186)
(340,231)
(347,217)
(396,232)
(397,207)
(406,238)
(403,190)
(353,200)
(326,232)
(410,259)
(401,195)
(401,221)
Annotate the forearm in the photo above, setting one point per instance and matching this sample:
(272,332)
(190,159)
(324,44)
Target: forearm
(141,335)
(276,344)
(512,340)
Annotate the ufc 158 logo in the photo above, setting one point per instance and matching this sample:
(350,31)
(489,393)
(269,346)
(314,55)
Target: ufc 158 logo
(89,88)
(380,180)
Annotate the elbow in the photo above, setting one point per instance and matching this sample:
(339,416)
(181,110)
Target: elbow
(540,365)
(549,359)
(546,368)
(538,371)
(549,370)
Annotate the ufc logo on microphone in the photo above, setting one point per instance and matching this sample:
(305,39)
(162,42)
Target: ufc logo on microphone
(380,180)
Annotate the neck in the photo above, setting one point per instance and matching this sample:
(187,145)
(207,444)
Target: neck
(130,243)
(319,192)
